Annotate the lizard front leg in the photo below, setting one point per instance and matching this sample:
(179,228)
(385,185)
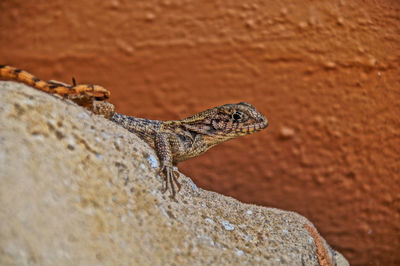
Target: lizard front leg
(163,149)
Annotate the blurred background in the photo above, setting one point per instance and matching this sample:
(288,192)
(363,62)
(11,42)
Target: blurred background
(325,73)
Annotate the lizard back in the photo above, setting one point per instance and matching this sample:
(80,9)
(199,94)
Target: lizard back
(146,129)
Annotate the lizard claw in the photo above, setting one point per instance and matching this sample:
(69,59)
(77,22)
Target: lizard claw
(170,179)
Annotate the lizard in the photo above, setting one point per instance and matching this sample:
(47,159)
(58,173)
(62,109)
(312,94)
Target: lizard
(173,141)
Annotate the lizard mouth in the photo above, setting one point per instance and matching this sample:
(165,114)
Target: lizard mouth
(249,129)
(256,127)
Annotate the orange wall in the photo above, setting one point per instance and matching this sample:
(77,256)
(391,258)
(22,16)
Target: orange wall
(325,73)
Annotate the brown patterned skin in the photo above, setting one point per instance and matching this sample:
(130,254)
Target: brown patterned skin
(174,141)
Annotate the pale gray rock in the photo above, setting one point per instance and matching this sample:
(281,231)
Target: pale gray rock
(77,189)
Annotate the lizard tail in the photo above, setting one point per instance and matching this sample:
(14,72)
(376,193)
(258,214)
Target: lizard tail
(55,87)
(16,74)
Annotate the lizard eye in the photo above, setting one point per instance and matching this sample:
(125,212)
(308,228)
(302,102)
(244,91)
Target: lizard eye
(237,116)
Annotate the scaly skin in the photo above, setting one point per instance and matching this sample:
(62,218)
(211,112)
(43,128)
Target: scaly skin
(179,140)
(174,141)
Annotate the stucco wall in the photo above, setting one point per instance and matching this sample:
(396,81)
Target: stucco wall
(325,73)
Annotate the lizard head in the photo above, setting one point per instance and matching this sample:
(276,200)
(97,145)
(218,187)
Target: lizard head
(233,120)
(226,122)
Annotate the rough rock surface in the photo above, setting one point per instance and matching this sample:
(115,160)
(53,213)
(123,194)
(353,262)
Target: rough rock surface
(76,189)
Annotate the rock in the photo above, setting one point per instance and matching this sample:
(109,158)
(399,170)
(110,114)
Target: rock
(77,189)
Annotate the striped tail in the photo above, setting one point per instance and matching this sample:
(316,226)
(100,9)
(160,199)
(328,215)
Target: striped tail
(87,91)
(12,73)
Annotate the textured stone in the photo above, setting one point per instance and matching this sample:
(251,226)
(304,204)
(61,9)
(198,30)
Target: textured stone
(77,189)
